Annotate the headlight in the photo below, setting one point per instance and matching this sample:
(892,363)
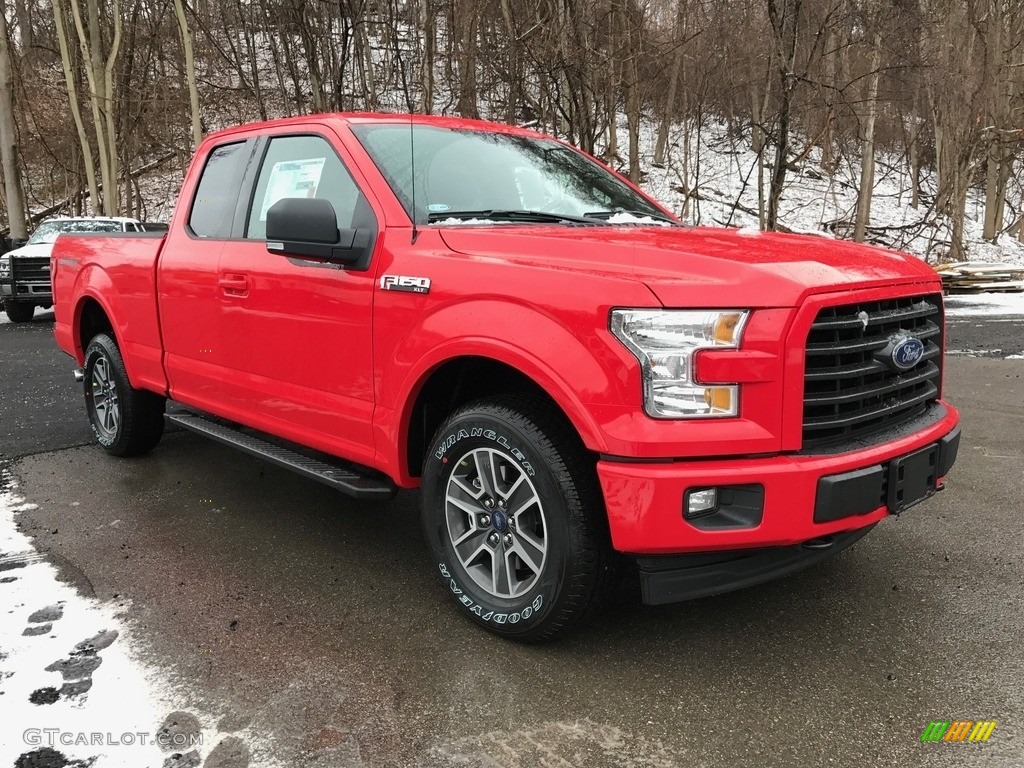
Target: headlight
(664,341)
(5,266)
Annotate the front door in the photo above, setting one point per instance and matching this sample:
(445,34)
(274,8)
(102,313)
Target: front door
(299,364)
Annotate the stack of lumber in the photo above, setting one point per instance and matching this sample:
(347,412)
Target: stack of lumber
(978,277)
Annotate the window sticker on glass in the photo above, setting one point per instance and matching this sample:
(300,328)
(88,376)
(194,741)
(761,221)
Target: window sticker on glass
(292,178)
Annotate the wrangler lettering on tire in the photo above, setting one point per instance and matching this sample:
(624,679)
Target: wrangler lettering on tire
(513,516)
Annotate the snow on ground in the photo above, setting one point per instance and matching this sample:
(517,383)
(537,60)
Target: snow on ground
(70,680)
(985,304)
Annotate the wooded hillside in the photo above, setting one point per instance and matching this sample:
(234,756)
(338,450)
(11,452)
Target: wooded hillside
(95,93)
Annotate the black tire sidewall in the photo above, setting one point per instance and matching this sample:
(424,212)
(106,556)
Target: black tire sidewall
(103,346)
(524,615)
(19,311)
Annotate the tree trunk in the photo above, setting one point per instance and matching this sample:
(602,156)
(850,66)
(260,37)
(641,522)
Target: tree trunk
(867,146)
(8,141)
(785,23)
(429,53)
(190,72)
(661,144)
(466,37)
(99,74)
(76,112)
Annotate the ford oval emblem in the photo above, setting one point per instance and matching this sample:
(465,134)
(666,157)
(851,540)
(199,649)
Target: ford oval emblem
(907,353)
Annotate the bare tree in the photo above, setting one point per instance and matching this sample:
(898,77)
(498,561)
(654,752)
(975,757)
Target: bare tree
(867,141)
(190,70)
(8,141)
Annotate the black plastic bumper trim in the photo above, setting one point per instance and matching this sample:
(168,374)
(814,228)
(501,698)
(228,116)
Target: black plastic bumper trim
(674,578)
(864,490)
(949,446)
(849,493)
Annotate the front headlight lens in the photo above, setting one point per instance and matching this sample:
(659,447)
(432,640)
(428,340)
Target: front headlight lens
(5,266)
(665,341)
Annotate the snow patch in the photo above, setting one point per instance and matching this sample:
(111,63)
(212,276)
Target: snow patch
(69,676)
(454,222)
(629,218)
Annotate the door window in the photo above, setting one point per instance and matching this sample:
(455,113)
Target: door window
(213,208)
(306,166)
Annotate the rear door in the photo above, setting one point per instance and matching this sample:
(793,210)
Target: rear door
(189,295)
(299,364)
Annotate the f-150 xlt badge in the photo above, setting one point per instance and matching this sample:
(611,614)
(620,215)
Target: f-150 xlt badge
(405,283)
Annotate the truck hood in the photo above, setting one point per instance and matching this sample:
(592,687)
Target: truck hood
(37,249)
(692,267)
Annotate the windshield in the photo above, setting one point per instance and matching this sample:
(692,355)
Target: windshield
(47,232)
(494,174)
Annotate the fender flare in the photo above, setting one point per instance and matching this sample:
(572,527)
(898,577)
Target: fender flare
(539,338)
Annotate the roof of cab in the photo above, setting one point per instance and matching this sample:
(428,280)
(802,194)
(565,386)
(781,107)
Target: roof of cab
(362,118)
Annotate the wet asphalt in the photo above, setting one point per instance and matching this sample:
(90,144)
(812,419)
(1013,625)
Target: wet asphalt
(316,619)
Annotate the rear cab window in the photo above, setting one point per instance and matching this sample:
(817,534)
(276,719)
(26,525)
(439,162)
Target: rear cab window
(213,207)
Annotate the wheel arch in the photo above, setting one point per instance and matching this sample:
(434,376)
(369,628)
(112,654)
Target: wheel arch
(461,378)
(91,318)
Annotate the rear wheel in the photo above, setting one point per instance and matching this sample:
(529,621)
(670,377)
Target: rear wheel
(514,519)
(20,311)
(126,421)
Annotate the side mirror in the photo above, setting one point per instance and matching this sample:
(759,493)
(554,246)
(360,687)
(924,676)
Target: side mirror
(308,228)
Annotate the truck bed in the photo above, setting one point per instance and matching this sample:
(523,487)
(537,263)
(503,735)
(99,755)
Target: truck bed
(118,272)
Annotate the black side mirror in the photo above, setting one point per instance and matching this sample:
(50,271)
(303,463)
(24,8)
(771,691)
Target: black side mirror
(308,228)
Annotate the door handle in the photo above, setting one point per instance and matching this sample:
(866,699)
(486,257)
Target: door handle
(234,285)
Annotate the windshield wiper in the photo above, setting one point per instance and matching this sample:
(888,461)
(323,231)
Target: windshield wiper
(639,214)
(495,214)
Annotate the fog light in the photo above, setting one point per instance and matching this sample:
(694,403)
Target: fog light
(699,502)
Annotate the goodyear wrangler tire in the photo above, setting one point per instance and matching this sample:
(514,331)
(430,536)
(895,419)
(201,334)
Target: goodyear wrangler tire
(514,519)
(126,421)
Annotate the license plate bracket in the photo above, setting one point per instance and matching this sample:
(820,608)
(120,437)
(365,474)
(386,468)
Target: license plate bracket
(913,478)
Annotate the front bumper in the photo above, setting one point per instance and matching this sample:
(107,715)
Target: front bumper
(35,292)
(644,501)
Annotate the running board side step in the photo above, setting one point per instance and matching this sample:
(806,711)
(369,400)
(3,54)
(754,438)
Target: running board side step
(339,478)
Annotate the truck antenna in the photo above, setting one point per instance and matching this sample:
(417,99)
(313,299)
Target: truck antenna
(412,173)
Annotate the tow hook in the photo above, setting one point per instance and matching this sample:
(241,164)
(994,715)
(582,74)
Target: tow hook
(79,375)
(822,542)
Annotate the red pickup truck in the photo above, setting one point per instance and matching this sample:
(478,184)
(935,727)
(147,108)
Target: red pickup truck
(571,377)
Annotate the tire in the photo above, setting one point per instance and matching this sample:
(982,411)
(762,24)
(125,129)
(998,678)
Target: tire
(523,551)
(20,311)
(126,421)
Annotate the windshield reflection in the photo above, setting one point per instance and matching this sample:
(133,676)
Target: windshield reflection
(460,170)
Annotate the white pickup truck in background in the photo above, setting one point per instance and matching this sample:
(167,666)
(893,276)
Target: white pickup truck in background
(25,271)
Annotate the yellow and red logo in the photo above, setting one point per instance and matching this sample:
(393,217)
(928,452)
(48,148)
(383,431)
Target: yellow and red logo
(958,730)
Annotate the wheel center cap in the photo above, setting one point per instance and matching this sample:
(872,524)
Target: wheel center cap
(499,521)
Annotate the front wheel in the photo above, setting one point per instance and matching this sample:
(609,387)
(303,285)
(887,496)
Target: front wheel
(126,421)
(514,519)
(20,311)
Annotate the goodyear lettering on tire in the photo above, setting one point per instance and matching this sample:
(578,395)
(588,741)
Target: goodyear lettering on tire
(489,615)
